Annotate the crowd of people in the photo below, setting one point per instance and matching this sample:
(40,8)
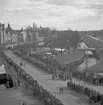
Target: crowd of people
(93,95)
(63,72)
(47,97)
(50,66)
(89,77)
(38,90)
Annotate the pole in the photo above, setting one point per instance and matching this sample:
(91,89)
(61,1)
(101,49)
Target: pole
(70,74)
(3,33)
(86,59)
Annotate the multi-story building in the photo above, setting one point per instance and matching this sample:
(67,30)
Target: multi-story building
(20,38)
(24,33)
(2,31)
(14,37)
(9,36)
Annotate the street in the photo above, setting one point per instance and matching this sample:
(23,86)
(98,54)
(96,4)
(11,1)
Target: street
(68,97)
(12,96)
(90,62)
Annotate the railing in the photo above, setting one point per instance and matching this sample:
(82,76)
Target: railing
(38,91)
(46,96)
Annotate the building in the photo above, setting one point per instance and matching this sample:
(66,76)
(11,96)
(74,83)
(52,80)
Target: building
(8,34)
(2,30)
(15,37)
(7,37)
(24,33)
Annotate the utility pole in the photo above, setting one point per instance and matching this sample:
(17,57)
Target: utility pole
(51,45)
(3,28)
(70,73)
(86,56)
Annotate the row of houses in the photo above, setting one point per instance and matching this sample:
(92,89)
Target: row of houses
(10,36)
(7,35)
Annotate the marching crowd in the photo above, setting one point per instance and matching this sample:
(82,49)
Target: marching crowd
(89,77)
(94,96)
(47,97)
(50,66)
(38,91)
(61,71)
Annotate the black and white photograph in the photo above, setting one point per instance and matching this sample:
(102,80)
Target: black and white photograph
(51,52)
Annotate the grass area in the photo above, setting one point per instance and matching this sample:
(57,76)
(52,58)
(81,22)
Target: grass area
(66,58)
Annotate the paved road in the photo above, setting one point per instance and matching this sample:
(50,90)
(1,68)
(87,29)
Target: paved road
(90,62)
(14,96)
(68,98)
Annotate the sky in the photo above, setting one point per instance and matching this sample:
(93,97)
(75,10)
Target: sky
(59,14)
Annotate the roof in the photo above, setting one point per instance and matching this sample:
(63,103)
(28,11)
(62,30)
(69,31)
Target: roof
(89,52)
(93,38)
(83,45)
(2,70)
(42,51)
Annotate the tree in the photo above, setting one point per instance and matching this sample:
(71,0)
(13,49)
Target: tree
(75,39)
(34,26)
(68,46)
(21,29)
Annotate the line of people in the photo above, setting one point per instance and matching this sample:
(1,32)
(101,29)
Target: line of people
(61,71)
(38,91)
(94,96)
(50,66)
(88,77)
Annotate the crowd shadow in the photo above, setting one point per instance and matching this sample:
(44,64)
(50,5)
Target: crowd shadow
(80,97)
(56,79)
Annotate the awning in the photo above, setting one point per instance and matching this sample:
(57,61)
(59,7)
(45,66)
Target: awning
(97,68)
(2,70)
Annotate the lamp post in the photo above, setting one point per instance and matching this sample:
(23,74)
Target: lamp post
(70,73)
(86,56)
(3,29)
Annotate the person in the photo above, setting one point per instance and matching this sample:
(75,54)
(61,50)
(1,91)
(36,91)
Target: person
(68,83)
(61,90)
(26,85)
(7,85)
(23,103)
(101,102)
(11,83)
(53,76)
(20,63)
(18,82)
(15,83)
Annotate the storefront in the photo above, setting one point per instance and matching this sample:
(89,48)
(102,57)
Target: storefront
(3,75)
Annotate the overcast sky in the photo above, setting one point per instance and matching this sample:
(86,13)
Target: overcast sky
(61,14)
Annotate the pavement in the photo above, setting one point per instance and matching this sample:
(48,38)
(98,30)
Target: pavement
(91,63)
(16,96)
(68,97)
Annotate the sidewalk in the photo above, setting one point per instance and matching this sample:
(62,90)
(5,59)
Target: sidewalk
(68,97)
(14,96)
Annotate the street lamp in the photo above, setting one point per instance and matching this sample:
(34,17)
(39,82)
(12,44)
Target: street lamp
(86,56)
(70,73)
